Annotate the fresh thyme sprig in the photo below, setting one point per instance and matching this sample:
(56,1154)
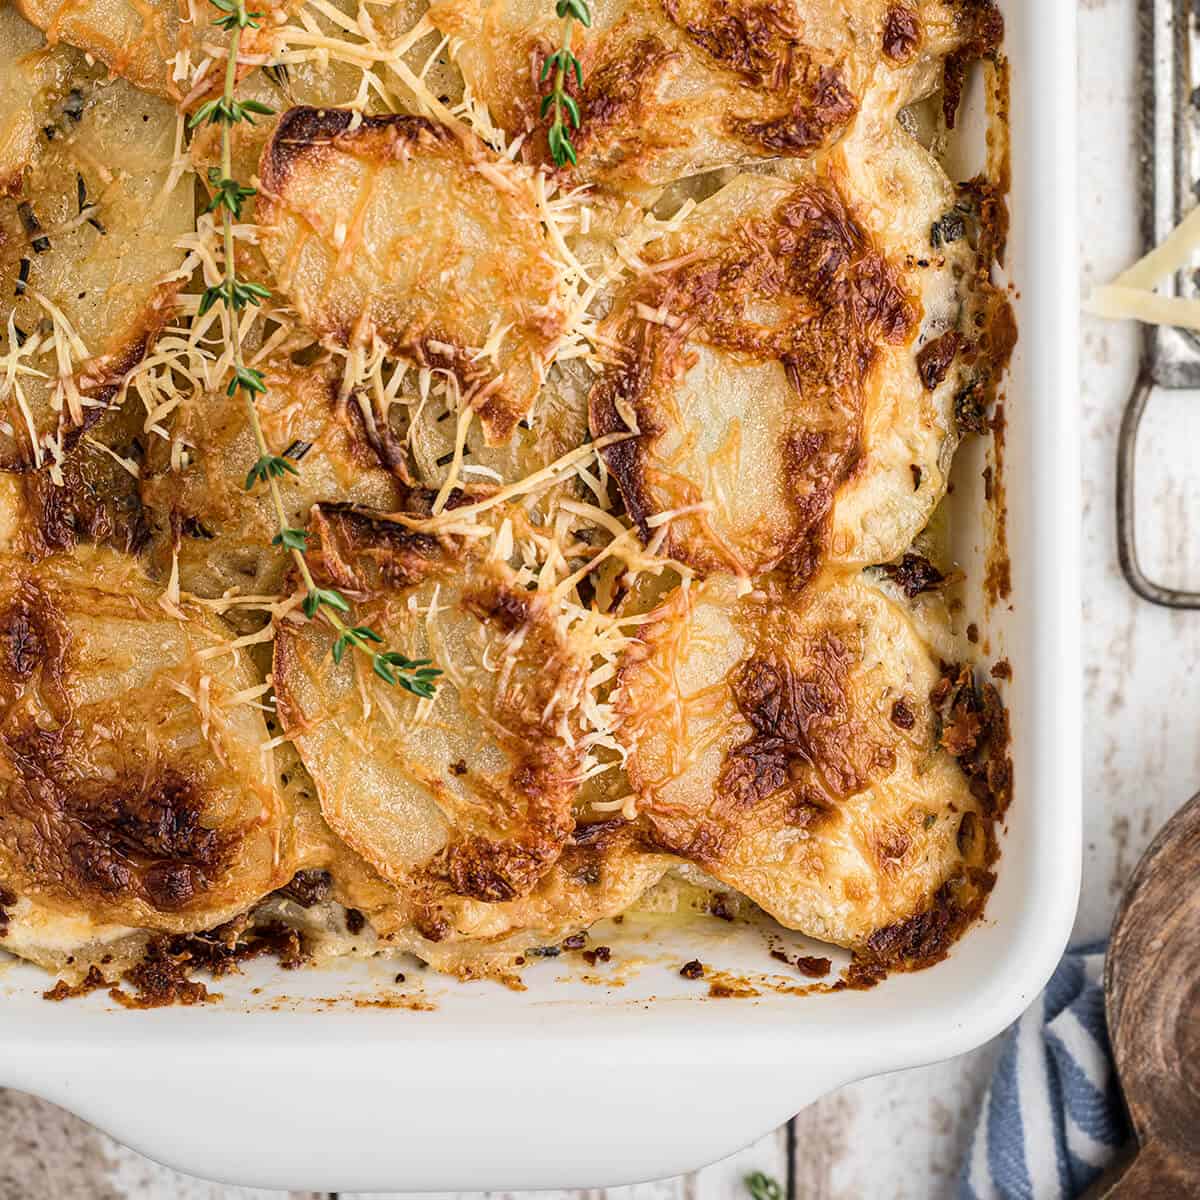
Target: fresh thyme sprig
(418,676)
(564,64)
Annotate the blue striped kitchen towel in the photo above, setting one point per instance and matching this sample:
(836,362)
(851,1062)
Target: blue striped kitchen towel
(1052,1119)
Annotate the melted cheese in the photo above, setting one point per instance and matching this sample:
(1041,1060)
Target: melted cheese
(359,250)
(766,744)
(610,453)
(137,784)
(86,243)
(675,88)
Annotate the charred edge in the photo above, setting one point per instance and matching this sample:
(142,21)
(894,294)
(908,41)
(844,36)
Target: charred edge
(305,132)
(982,27)
(308,888)
(374,444)
(504,607)
(975,731)
(164,976)
(925,938)
(626,382)
(361,551)
(97,501)
(914,574)
(93,981)
(823,110)
(902,33)
(100,380)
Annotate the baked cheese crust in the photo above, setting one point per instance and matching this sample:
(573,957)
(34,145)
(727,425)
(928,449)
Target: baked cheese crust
(137,786)
(645,454)
(792,748)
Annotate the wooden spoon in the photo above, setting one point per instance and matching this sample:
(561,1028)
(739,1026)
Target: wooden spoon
(1152,986)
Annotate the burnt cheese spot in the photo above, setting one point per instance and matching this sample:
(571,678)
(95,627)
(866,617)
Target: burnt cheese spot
(984,31)
(809,254)
(823,108)
(901,33)
(131,837)
(934,359)
(914,574)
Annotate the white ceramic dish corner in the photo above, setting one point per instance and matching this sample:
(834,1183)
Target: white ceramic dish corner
(568,1084)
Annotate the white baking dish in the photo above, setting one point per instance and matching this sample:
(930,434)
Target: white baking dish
(571,1084)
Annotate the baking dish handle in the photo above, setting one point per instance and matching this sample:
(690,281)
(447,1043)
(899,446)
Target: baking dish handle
(377,1129)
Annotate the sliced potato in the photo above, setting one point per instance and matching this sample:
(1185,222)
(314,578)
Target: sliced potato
(327,75)
(790,746)
(154,44)
(393,227)
(748,359)
(557,425)
(204,518)
(469,795)
(599,874)
(671,89)
(137,788)
(910,430)
(85,243)
(26,71)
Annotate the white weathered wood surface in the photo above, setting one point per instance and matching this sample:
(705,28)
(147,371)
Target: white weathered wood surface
(903,1136)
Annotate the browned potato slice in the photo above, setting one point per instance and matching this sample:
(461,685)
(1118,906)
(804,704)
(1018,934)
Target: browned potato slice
(391,226)
(91,230)
(469,795)
(592,880)
(25,71)
(937,233)
(332,77)
(676,87)
(602,871)
(143,40)
(201,510)
(599,874)
(137,784)
(746,372)
(789,746)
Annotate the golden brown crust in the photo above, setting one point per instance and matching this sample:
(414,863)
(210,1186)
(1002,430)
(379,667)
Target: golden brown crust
(833,299)
(787,368)
(795,748)
(355,232)
(675,88)
(124,801)
(484,783)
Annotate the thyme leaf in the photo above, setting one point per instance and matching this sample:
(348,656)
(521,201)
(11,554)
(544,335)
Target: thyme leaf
(763,1187)
(563,63)
(228,198)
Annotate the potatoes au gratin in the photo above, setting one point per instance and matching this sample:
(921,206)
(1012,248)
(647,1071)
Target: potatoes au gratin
(644,453)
